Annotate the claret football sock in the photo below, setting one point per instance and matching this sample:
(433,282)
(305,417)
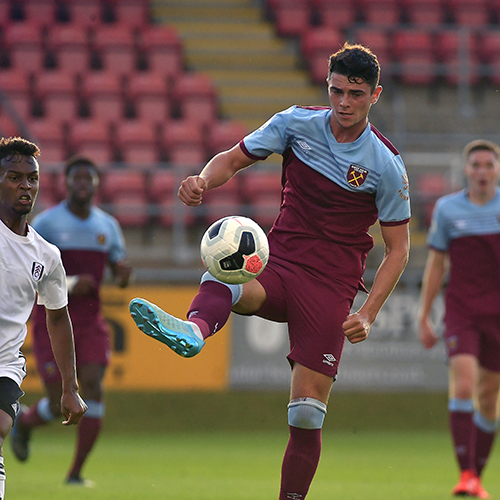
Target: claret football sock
(485,435)
(211,307)
(463,431)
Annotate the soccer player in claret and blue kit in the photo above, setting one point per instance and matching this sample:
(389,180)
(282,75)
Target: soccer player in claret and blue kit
(339,175)
(90,240)
(465,238)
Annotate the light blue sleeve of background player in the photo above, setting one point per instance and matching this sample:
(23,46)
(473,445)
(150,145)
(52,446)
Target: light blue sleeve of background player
(393,197)
(117,250)
(438,236)
(270,137)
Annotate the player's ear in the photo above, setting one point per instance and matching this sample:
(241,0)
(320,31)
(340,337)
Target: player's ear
(376,93)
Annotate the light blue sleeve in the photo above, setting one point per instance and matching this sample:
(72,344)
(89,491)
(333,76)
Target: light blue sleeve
(117,249)
(393,195)
(270,137)
(438,236)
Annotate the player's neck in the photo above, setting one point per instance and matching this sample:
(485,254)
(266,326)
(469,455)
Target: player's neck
(17,225)
(82,211)
(481,198)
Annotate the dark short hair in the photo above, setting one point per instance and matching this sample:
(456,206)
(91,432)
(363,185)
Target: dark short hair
(10,146)
(355,62)
(79,161)
(481,145)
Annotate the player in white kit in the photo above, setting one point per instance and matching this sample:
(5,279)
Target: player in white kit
(30,269)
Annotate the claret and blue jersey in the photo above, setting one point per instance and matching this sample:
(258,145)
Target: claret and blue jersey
(470,234)
(332,192)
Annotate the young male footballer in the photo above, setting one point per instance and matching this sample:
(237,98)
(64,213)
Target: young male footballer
(339,175)
(30,270)
(465,237)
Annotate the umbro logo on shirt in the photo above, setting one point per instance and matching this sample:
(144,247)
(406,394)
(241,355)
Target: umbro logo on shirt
(304,146)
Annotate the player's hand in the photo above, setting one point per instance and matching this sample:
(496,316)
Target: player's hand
(191,190)
(86,285)
(356,328)
(426,334)
(122,273)
(73,407)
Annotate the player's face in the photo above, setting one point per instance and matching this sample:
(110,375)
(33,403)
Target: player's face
(483,172)
(18,185)
(82,183)
(351,103)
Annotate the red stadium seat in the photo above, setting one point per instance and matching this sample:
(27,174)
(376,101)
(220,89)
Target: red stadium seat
(149,94)
(225,200)
(223,135)
(162,46)
(263,191)
(87,13)
(291,17)
(91,137)
(24,45)
(183,142)
(469,12)
(57,90)
(132,13)
(377,40)
(42,12)
(47,195)
(337,14)
(15,83)
(457,50)
(196,96)
(136,140)
(70,43)
(425,12)
(317,45)
(115,43)
(380,12)
(414,51)
(49,136)
(103,92)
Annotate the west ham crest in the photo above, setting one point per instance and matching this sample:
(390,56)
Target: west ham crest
(37,271)
(356,175)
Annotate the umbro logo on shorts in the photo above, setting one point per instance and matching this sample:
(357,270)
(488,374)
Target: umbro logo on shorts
(329,359)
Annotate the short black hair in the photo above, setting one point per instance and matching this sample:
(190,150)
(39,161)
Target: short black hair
(10,146)
(79,161)
(355,62)
(481,145)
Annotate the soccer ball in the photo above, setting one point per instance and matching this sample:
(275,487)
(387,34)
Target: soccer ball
(234,249)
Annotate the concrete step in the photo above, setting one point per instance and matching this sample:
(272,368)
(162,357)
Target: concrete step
(226,29)
(296,79)
(182,13)
(217,61)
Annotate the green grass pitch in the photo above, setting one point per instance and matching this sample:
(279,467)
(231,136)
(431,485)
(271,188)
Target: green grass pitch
(232,465)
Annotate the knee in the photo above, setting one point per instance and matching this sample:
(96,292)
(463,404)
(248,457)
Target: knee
(306,413)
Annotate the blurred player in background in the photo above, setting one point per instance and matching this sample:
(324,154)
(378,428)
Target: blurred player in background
(465,236)
(29,266)
(339,175)
(89,240)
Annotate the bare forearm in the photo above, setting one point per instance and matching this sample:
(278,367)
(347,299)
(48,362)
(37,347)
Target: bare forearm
(61,336)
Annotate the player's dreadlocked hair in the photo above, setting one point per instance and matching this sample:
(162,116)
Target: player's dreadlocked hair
(355,62)
(10,146)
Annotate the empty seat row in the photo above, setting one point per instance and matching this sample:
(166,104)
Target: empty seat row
(75,49)
(138,142)
(85,12)
(293,17)
(415,55)
(107,96)
(138,197)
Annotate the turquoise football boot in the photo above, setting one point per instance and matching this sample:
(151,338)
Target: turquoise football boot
(177,334)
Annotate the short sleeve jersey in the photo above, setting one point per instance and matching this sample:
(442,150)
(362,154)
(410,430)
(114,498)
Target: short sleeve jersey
(331,192)
(470,234)
(29,267)
(86,247)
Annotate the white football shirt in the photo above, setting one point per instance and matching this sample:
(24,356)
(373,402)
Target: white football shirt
(29,265)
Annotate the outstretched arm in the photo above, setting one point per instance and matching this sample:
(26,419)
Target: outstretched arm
(432,282)
(61,336)
(216,172)
(397,245)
